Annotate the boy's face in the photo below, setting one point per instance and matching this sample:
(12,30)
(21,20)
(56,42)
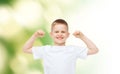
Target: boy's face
(59,33)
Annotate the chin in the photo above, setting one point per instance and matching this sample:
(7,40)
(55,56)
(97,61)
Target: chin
(60,43)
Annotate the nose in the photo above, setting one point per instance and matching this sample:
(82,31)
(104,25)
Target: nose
(59,34)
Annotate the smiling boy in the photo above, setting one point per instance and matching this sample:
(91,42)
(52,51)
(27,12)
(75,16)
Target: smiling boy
(59,58)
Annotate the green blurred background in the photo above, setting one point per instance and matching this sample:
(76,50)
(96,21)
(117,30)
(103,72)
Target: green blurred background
(19,19)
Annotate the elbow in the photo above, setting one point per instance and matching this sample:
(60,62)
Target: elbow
(27,50)
(93,51)
(96,50)
(24,50)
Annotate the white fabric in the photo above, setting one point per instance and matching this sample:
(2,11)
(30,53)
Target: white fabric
(59,59)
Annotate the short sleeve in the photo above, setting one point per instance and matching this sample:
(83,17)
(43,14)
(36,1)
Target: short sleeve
(81,52)
(37,52)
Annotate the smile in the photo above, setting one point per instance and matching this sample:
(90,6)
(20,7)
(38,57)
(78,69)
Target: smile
(60,38)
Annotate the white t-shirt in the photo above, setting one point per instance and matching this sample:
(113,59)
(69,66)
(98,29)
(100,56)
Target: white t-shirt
(59,59)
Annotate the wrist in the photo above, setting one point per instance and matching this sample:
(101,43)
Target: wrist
(34,36)
(82,36)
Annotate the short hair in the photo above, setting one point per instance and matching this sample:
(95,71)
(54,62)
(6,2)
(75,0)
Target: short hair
(59,21)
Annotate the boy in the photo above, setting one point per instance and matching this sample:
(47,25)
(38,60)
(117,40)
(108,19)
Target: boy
(60,59)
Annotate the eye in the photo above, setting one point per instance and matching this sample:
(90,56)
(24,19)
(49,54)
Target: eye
(56,31)
(63,32)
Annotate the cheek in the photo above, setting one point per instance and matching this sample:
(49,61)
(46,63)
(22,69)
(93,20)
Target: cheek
(53,35)
(66,35)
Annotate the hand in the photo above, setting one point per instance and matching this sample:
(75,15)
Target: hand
(39,33)
(78,34)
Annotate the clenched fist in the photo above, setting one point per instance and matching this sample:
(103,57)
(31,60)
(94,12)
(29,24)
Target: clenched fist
(78,34)
(39,33)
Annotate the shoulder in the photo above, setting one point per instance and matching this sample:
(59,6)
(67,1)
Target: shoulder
(77,48)
(41,47)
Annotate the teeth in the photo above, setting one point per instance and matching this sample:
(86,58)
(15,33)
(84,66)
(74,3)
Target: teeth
(59,37)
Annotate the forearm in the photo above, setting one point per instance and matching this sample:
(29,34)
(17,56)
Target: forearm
(28,45)
(91,46)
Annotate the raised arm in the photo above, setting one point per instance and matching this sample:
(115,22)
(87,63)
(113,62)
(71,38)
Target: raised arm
(91,46)
(29,44)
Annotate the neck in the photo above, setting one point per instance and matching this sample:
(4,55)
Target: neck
(63,44)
